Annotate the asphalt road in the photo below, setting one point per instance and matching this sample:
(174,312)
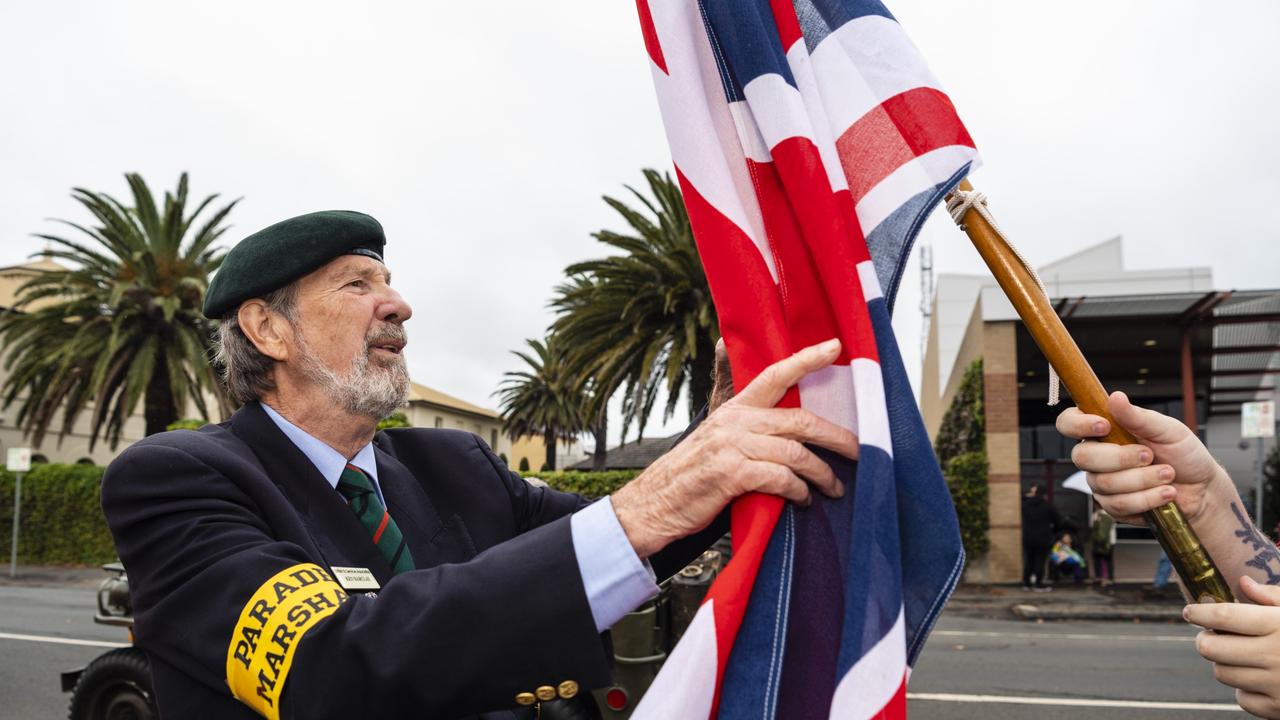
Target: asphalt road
(44,631)
(1068,669)
(972,668)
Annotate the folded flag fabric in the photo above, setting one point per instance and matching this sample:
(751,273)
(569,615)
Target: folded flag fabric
(811,141)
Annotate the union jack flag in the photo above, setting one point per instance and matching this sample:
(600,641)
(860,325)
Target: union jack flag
(811,141)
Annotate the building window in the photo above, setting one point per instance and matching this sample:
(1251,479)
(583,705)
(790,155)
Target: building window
(439,421)
(493,439)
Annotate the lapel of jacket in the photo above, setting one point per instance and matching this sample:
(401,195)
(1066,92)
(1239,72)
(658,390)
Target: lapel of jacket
(433,540)
(335,529)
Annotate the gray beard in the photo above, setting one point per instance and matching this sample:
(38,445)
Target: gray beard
(371,389)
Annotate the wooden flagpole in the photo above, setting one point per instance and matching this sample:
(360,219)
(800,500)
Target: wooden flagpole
(1199,575)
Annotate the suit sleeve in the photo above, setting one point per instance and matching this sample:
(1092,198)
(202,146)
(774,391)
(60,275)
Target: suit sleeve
(220,599)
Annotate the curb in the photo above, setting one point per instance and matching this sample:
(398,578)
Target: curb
(1150,613)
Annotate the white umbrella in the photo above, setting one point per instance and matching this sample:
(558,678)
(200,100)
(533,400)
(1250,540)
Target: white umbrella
(1077,482)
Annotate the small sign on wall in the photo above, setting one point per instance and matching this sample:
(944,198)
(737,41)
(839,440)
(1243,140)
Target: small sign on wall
(19,460)
(1258,419)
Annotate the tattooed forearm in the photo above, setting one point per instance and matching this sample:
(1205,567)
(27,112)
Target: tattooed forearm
(1267,558)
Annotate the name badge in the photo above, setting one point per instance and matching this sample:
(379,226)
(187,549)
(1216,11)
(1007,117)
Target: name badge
(354,578)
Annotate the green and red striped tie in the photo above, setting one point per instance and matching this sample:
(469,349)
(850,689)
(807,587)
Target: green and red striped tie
(356,487)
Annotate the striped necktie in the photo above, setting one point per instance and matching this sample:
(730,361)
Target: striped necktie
(356,487)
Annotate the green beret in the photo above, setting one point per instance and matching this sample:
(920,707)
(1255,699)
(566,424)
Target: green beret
(276,256)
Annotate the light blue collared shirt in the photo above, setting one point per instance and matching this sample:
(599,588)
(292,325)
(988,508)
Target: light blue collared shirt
(327,460)
(613,576)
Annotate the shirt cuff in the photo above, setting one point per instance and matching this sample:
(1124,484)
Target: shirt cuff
(615,579)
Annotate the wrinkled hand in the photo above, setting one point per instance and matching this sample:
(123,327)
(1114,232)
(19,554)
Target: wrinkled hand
(746,445)
(1170,463)
(1248,659)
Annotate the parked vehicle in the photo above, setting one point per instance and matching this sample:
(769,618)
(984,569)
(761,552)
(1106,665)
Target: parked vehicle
(117,684)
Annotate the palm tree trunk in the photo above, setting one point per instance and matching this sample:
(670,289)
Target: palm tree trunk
(549,437)
(600,458)
(158,405)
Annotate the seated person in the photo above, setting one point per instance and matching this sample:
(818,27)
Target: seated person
(1171,464)
(1065,559)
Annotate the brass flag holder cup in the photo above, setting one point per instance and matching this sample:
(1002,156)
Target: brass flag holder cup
(1199,575)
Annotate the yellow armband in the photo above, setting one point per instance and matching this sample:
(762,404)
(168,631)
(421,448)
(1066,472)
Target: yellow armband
(270,626)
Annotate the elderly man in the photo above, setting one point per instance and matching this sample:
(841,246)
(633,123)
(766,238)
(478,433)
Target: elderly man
(294,562)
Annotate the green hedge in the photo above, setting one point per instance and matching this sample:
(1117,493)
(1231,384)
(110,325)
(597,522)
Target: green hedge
(967,479)
(587,484)
(62,521)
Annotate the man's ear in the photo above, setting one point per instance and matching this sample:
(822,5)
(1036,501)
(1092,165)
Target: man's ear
(267,330)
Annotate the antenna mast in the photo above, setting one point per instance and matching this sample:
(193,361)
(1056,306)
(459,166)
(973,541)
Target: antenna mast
(926,295)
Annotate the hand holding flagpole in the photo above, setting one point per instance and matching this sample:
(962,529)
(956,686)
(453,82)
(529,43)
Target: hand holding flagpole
(1199,574)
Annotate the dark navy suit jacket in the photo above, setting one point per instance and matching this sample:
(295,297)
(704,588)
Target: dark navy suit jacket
(203,519)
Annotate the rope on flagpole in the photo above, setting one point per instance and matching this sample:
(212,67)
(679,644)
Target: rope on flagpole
(961,201)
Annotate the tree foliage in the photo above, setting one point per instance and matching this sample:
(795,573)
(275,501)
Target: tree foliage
(641,320)
(962,452)
(123,323)
(542,400)
(396,419)
(964,424)
(966,476)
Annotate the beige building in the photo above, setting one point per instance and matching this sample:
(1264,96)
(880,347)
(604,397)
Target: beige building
(530,452)
(1163,336)
(431,408)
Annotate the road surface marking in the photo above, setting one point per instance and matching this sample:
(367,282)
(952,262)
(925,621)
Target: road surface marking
(1063,636)
(1076,702)
(62,640)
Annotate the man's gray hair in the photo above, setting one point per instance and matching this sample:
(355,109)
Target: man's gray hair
(245,370)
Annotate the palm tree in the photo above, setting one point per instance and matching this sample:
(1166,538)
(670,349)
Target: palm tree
(541,400)
(122,324)
(641,320)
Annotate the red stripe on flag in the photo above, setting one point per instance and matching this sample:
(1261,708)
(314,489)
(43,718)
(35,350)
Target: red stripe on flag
(895,132)
(808,316)
(896,708)
(651,36)
(750,311)
(784,17)
(377,534)
(834,241)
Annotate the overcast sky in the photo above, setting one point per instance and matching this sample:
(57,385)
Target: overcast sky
(482,135)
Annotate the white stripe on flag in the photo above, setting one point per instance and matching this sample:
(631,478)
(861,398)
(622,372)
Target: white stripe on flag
(913,178)
(704,144)
(687,684)
(873,418)
(749,133)
(865,62)
(802,70)
(777,108)
(828,393)
(870,281)
(873,681)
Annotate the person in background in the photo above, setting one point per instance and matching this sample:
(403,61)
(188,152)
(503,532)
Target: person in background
(1102,539)
(1065,558)
(1170,464)
(1040,522)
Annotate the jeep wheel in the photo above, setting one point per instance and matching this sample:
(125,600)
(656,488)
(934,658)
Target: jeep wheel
(115,686)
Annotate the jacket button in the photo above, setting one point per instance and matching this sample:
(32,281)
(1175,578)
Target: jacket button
(568,689)
(525,698)
(546,692)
